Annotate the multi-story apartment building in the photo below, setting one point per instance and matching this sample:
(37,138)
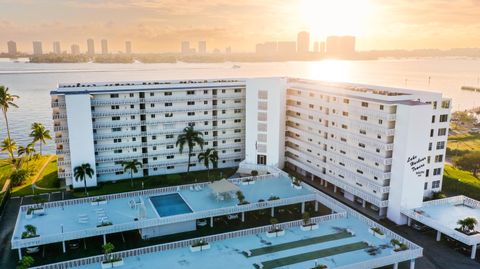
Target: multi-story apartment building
(380,147)
(106,123)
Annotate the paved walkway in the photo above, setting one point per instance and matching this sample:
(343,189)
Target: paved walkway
(39,173)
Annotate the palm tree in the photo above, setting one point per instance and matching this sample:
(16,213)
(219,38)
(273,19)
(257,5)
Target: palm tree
(209,156)
(9,146)
(132,167)
(467,224)
(6,100)
(28,151)
(190,137)
(40,134)
(81,172)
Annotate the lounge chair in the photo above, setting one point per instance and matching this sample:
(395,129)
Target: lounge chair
(191,188)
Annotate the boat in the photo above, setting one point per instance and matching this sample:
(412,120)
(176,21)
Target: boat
(470,88)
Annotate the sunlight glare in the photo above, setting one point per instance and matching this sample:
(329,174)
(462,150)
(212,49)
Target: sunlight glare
(330,70)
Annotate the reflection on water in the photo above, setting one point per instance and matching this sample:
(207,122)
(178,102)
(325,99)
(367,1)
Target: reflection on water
(33,82)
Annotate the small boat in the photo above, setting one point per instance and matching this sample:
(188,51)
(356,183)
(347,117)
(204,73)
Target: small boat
(236,66)
(470,88)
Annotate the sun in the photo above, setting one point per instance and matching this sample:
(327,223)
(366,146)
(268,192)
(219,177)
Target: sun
(336,17)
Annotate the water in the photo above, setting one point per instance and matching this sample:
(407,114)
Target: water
(170,205)
(33,82)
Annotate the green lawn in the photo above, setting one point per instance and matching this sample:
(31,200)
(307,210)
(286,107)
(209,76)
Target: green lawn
(156,182)
(464,142)
(457,182)
(5,170)
(48,179)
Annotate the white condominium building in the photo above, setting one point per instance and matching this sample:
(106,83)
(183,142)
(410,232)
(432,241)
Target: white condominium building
(104,124)
(382,148)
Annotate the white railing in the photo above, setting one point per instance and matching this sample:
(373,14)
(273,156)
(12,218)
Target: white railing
(185,243)
(393,258)
(115,228)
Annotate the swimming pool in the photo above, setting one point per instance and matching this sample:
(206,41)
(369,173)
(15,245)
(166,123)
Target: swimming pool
(170,205)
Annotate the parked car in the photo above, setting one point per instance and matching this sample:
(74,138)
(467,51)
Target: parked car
(31,250)
(419,227)
(74,244)
(232,216)
(202,222)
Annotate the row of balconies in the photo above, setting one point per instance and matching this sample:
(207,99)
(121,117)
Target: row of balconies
(114,169)
(369,127)
(293,120)
(371,169)
(373,199)
(347,173)
(185,108)
(107,101)
(351,109)
(196,118)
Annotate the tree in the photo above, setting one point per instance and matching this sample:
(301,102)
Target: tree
(469,162)
(81,172)
(25,262)
(40,134)
(207,157)
(6,101)
(9,146)
(108,248)
(274,223)
(26,151)
(132,167)
(240,197)
(467,224)
(190,138)
(18,176)
(306,218)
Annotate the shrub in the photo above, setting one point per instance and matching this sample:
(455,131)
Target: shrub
(18,176)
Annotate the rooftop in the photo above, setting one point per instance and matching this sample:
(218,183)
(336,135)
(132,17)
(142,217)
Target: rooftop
(78,218)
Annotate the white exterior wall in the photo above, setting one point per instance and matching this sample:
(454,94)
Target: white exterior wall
(409,159)
(275,121)
(80,134)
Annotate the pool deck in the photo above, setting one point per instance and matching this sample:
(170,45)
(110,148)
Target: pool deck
(78,220)
(229,253)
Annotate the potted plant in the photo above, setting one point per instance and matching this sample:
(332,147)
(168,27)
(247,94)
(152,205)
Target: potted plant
(296,183)
(320,266)
(30,232)
(199,245)
(38,209)
(273,198)
(397,245)
(375,231)
(307,224)
(29,214)
(467,226)
(109,261)
(241,198)
(275,231)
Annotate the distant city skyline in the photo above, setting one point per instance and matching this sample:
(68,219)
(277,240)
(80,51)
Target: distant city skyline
(159,26)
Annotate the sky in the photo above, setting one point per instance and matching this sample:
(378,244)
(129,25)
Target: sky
(160,25)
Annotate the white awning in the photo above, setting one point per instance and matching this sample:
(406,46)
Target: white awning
(223,186)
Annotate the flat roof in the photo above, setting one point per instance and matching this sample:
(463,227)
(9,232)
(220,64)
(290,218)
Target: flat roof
(338,252)
(443,214)
(72,220)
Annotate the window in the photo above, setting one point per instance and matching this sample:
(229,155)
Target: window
(190,92)
(238,140)
(205,102)
(430,146)
(154,137)
(237,111)
(115,118)
(344,113)
(238,90)
(131,95)
(133,128)
(168,115)
(444,118)
(346,101)
(117,140)
(152,105)
(364,104)
(115,107)
(152,94)
(445,104)
(205,91)
(132,117)
(169,146)
(361,158)
(170,167)
(427,172)
(364,118)
(436,184)
(223,90)
(363,132)
(114,95)
(170,157)
(441,145)
(344,126)
(190,103)
(117,129)
(439,158)
(117,151)
(169,136)
(433,119)
(154,147)
(152,116)
(381,107)
(237,121)
(361,145)
(132,106)
(167,93)
(191,113)
(437,171)
(425,186)
(442,131)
